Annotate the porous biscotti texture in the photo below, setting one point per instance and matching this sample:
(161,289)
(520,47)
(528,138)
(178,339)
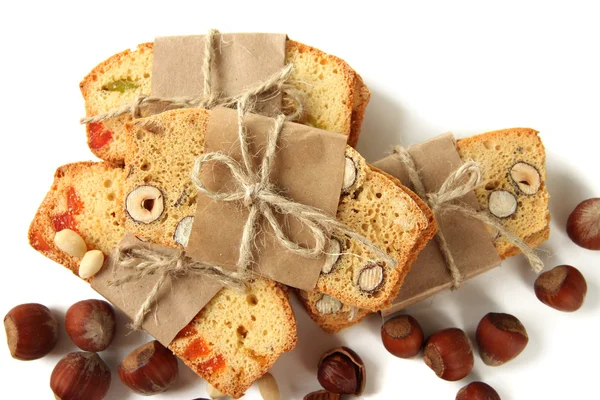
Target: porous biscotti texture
(236,337)
(373,205)
(498,152)
(331,320)
(335,96)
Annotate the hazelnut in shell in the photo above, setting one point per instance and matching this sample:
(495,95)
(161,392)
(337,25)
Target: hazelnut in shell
(583,225)
(80,375)
(149,369)
(31,331)
(501,337)
(91,324)
(562,288)
(402,336)
(448,353)
(477,391)
(342,371)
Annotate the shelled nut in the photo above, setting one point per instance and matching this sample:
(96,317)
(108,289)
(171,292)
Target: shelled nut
(525,178)
(149,369)
(448,353)
(328,305)
(501,337)
(583,225)
(342,371)
(80,375)
(70,242)
(370,277)
(350,174)
(91,324)
(333,256)
(562,288)
(31,331)
(145,204)
(267,386)
(91,263)
(402,336)
(502,204)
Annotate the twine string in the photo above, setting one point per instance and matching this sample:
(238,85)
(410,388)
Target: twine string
(460,182)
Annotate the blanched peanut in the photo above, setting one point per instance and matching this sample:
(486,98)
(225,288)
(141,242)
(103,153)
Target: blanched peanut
(91,263)
(70,242)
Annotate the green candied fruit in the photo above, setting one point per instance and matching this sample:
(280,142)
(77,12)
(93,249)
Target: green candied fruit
(120,86)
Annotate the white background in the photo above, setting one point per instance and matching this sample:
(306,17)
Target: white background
(432,68)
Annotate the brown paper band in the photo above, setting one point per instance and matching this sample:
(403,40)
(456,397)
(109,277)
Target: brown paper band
(460,182)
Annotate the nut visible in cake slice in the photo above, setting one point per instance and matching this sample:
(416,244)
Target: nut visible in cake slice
(350,174)
(333,255)
(370,277)
(525,178)
(502,204)
(183,231)
(328,305)
(145,204)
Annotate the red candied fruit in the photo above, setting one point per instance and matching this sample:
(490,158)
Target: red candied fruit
(196,349)
(38,242)
(74,203)
(64,221)
(212,365)
(99,137)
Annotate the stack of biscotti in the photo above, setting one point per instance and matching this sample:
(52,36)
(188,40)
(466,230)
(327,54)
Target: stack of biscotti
(86,196)
(335,97)
(513,190)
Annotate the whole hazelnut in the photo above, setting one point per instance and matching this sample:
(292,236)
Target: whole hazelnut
(91,324)
(31,331)
(477,391)
(448,353)
(342,371)
(563,288)
(583,225)
(80,375)
(322,395)
(501,337)
(149,369)
(402,336)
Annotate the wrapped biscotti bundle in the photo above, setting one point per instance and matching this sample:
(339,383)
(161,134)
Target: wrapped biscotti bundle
(204,216)
(511,192)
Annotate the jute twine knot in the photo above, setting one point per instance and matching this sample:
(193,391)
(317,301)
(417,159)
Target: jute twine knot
(141,262)
(463,180)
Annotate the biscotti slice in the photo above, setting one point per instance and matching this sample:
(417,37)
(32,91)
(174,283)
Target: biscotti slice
(161,157)
(327,82)
(513,164)
(324,310)
(236,337)
(330,313)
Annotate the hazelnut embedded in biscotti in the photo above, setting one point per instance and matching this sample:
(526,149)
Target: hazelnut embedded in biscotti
(370,277)
(526,178)
(350,174)
(328,305)
(333,255)
(183,231)
(145,204)
(502,204)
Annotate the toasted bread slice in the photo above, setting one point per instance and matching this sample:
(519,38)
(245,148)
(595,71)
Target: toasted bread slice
(234,339)
(328,83)
(513,161)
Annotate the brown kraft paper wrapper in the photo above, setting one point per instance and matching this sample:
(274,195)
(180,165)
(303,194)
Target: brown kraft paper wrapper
(308,168)
(176,304)
(468,239)
(240,61)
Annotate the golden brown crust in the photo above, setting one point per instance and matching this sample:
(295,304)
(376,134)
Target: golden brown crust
(362,95)
(425,237)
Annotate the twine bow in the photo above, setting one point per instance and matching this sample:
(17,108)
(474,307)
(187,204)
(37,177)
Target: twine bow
(143,262)
(460,182)
(254,191)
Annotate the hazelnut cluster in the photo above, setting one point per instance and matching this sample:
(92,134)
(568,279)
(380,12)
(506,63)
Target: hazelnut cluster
(32,333)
